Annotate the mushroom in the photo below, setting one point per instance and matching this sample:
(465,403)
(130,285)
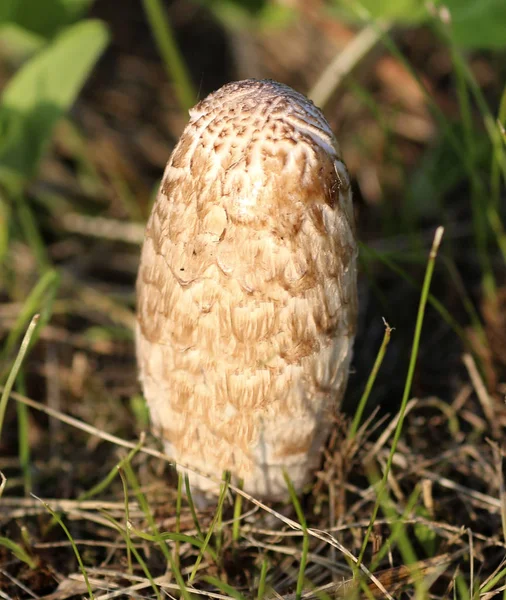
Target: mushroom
(247,296)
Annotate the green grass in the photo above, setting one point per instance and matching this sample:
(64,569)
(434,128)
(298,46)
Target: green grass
(409,381)
(60,522)
(413,492)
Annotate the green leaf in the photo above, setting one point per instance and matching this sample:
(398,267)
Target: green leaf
(474,23)
(479,24)
(405,11)
(45,18)
(401,11)
(40,93)
(18,43)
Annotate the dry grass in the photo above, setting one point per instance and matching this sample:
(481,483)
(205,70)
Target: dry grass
(72,448)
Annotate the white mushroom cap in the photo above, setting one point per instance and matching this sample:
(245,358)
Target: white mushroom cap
(247,289)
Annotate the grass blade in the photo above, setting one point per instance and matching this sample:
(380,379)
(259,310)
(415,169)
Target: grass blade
(15,369)
(18,551)
(127,520)
(191,504)
(305,539)
(370,382)
(24,436)
(236,527)
(157,537)
(224,587)
(407,387)
(72,543)
(262,580)
(169,51)
(39,300)
(216,519)
(138,557)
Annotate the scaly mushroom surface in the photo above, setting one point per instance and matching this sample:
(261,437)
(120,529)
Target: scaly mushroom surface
(247,295)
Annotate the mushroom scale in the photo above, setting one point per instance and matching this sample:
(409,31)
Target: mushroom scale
(247,296)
